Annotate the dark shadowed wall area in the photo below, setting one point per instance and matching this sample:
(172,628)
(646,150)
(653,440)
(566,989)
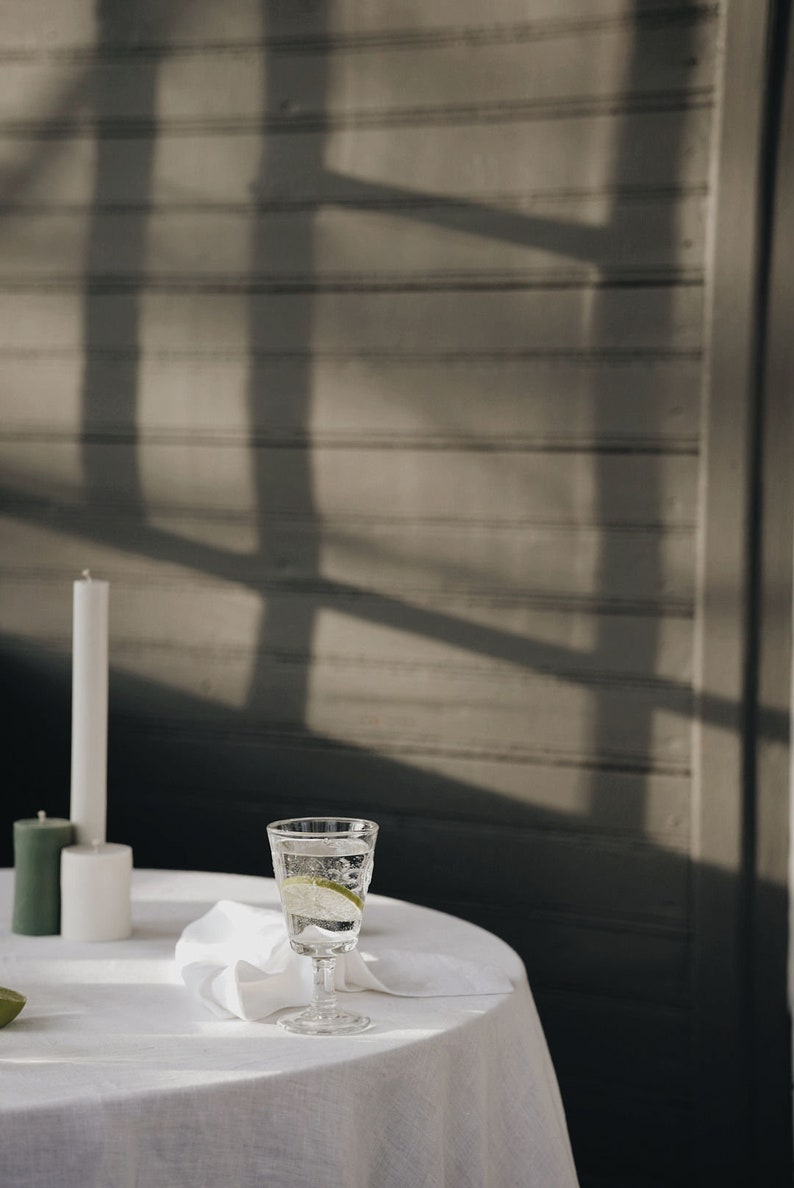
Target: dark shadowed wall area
(361,348)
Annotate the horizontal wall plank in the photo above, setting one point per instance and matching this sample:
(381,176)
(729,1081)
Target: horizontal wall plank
(275,769)
(383,709)
(287,122)
(669,150)
(456,862)
(581,958)
(401,494)
(640,1046)
(540,798)
(549,244)
(554,489)
(364,75)
(537,794)
(511,717)
(549,571)
(213,652)
(428,324)
(656,1144)
(555,720)
(514,713)
(645,571)
(613,881)
(529,792)
(224,623)
(648,572)
(52,27)
(521,404)
(418,662)
(655,1148)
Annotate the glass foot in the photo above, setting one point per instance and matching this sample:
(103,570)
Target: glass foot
(311,1023)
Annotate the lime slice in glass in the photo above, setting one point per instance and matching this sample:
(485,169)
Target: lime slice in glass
(320,899)
(11,1004)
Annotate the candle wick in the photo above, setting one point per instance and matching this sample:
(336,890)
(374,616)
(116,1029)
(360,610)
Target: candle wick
(42,816)
(87,574)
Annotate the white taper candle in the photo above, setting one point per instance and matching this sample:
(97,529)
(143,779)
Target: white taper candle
(89,709)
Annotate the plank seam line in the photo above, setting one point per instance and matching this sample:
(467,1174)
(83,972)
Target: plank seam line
(584,280)
(273,735)
(578,107)
(497,201)
(604,445)
(594,837)
(604,1091)
(642,926)
(447,36)
(631,1004)
(327,523)
(421,600)
(584,356)
(526,673)
(328,526)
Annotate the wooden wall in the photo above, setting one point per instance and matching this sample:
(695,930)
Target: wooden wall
(360,347)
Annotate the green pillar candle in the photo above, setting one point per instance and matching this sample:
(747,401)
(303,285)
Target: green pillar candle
(37,874)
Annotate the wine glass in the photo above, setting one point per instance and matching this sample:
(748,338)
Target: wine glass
(323,867)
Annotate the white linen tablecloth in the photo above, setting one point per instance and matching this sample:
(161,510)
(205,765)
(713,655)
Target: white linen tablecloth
(115,1076)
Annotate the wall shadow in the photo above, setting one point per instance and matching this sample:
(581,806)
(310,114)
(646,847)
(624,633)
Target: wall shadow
(286,624)
(609,504)
(117,322)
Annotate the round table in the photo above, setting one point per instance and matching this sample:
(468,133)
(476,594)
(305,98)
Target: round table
(115,1076)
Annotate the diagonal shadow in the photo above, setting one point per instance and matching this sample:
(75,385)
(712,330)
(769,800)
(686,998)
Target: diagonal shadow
(21,179)
(563,236)
(148,540)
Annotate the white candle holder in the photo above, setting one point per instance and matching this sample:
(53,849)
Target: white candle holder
(95,892)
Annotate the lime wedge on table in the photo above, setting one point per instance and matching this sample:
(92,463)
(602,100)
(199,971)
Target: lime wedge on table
(320,899)
(11,1004)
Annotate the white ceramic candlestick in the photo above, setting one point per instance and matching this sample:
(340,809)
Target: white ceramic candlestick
(95,892)
(88,810)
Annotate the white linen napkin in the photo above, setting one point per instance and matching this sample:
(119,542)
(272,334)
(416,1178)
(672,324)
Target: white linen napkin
(238,961)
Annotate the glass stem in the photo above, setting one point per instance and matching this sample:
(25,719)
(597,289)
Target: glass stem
(324,990)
